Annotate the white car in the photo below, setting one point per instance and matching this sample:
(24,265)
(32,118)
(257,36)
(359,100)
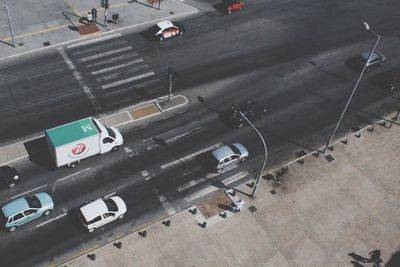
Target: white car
(166,29)
(102,211)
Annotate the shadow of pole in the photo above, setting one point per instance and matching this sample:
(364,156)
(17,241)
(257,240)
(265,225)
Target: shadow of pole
(69,19)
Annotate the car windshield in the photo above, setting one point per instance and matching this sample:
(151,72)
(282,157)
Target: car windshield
(110,132)
(154,29)
(33,202)
(234,149)
(111,205)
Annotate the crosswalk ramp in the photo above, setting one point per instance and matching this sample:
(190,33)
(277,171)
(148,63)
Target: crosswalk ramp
(115,71)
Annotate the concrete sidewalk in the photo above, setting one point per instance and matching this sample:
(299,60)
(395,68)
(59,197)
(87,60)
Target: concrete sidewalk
(38,25)
(315,214)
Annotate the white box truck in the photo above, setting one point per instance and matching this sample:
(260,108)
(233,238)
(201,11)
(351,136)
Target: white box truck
(71,142)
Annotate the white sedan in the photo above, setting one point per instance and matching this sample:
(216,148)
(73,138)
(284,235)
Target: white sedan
(166,29)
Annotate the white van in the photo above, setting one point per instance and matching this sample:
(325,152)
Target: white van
(101,212)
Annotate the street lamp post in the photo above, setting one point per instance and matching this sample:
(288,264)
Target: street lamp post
(366,26)
(9,22)
(253,194)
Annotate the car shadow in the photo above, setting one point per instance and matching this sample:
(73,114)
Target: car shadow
(354,63)
(39,153)
(220,7)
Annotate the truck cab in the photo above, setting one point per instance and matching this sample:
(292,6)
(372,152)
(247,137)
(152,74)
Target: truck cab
(110,138)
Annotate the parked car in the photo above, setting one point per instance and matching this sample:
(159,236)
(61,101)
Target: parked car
(226,156)
(25,209)
(376,60)
(250,109)
(9,176)
(102,211)
(232,5)
(166,29)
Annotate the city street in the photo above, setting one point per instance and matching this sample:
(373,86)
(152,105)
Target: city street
(290,57)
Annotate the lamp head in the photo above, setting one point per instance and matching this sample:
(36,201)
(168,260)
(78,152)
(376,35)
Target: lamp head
(366,26)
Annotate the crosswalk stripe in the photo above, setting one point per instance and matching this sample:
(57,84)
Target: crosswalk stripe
(116,75)
(135,78)
(117,66)
(104,54)
(113,59)
(95,40)
(98,47)
(146,83)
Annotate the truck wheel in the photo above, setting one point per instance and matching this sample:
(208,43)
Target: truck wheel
(161,37)
(73,164)
(47,213)
(115,148)
(12,228)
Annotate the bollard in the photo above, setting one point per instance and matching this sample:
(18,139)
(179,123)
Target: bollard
(203,225)
(370,129)
(193,211)
(251,184)
(143,233)
(344,141)
(358,135)
(92,256)
(223,215)
(330,147)
(118,244)
(233,193)
(316,153)
(167,223)
(301,161)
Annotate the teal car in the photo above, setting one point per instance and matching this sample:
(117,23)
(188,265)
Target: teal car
(25,209)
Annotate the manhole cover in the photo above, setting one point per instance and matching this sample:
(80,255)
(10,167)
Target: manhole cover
(329,158)
(252,209)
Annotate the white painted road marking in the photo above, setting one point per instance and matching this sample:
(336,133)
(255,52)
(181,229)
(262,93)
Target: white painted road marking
(135,78)
(212,188)
(105,54)
(117,74)
(167,206)
(51,220)
(101,71)
(96,40)
(175,162)
(69,176)
(27,192)
(78,77)
(113,59)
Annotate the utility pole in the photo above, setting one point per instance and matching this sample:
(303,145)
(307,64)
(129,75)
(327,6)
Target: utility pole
(171,78)
(5,8)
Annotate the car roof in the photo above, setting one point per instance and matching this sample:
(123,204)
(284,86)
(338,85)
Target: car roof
(165,24)
(222,152)
(94,209)
(374,55)
(15,206)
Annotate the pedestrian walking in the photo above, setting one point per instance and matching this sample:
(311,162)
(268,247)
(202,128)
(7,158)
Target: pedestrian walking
(94,14)
(238,205)
(89,18)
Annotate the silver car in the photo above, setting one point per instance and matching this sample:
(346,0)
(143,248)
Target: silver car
(228,155)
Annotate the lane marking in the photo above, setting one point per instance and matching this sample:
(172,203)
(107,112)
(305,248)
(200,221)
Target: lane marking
(110,194)
(135,78)
(185,134)
(117,66)
(78,77)
(116,35)
(189,184)
(212,188)
(105,54)
(66,177)
(111,60)
(51,220)
(27,192)
(175,162)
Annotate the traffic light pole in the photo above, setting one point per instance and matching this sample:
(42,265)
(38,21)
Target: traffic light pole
(105,17)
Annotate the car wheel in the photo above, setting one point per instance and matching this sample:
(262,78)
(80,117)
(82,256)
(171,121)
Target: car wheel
(229,11)
(240,125)
(11,185)
(12,228)
(121,216)
(73,164)
(161,37)
(91,230)
(243,159)
(180,33)
(115,148)
(47,213)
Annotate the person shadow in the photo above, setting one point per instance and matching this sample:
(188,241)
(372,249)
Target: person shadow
(357,259)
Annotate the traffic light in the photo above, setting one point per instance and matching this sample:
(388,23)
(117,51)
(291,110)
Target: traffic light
(171,75)
(104,3)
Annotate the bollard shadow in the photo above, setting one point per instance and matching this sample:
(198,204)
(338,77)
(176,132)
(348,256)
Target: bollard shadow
(39,153)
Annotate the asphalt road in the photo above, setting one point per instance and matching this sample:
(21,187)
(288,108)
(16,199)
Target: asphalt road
(288,55)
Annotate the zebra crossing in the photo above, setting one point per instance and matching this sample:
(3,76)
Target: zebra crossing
(114,71)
